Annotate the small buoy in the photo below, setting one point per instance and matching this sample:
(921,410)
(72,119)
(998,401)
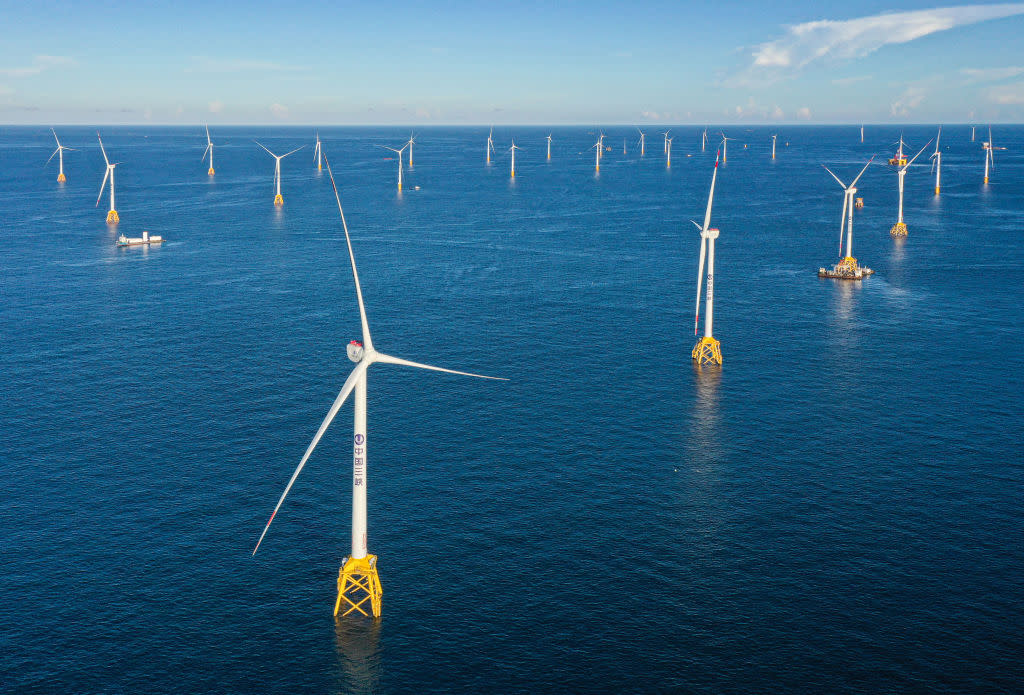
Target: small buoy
(416,188)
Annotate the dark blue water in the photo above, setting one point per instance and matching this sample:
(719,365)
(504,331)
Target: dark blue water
(838,509)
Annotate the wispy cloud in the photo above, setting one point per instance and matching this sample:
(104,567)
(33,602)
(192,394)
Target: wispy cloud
(991,74)
(846,81)
(207,64)
(40,63)
(908,101)
(1008,94)
(216,106)
(841,40)
(279,111)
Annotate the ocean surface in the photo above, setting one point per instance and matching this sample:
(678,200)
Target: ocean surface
(837,509)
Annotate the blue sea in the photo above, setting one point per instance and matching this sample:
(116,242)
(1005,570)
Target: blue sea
(838,508)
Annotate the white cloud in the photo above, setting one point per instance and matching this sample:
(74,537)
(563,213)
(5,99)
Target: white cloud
(147,114)
(279,110)
(654,115)
(909,100)
(777,113)
(422,112)
(1007,94)
(803,113)
(40,64)
(846,81)
(207,64)
(810,42)
(991,74)
(216,106)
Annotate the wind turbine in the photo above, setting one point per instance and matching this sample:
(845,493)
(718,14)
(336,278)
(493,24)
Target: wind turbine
(59,152)
(399,153)
(725,148)
(773,145)
(665,146)
(704,140)
(989,147)
(490,144)
(862,133)
(597,155)
(937,161)
(600,149)
(549,145)
(278,200)
(623,145)
(412,141)
(708,350)
(847,266)
(513,151)
(643,142)
(899,159)
(358,580)
(112,217)
(900,229)
(209,149)
(318,153)
(972,133)
(668,153)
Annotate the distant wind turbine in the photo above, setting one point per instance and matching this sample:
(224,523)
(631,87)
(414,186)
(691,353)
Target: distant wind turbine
(704,140)
(208,150)
(847,266)
(549,145)
(989,156)
(725,148)
(900,228)
(643,142)
(490,144)
(668,152)
(664,147)
(399,153)
(278,200)
(318,153)
(412,141)
(937,161)
(513,151)
(773,145)
(59,153)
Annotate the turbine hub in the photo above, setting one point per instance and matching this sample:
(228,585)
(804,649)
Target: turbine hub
(713,233)
(356,351)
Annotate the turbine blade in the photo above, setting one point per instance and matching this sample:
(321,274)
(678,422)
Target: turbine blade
(205,151)
(102,149)
(388,359)
(292,152)
(52,155)
(918,154)
(835,177)
(350,384)
(102,186)
(862,171)
(367,341)
(697,225)
(265,149)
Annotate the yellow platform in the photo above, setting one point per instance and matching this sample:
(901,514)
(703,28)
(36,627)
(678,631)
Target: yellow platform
(899,229)
(112,217)
(358,583)
(210,172)
(278,200)
(61,178)
(707,351)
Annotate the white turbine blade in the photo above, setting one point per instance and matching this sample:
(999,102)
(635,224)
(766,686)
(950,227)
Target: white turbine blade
(918,154)
(208,141)
(862,171)
(388,359)
(102,149)
(205,151)
(102,186)
(55,136)
(292,152)
(697,225)
(53,155)
(350,384)
(834,176)
(711,195)
(937,138)
(367,341)
(265,149)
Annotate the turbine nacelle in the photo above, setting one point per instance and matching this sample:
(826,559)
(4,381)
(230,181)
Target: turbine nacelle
(711,233)
(356,351)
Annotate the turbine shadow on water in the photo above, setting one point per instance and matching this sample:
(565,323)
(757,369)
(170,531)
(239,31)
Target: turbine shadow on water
(357,643)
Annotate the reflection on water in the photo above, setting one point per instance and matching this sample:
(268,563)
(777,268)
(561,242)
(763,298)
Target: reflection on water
(844,304)
(357,641)
(705,425)
(899,248)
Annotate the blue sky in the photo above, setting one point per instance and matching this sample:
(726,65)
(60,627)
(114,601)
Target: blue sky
(510,63)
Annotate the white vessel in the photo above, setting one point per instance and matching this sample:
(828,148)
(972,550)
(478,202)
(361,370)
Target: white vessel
(144,240)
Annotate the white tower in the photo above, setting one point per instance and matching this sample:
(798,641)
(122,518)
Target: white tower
(900,228)
(278,199)
(59,153)
(708,350)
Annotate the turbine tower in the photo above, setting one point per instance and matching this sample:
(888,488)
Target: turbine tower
(513,151)
(972,133)
(664,147)
(490,144)
(989,147)
(208,150)
(668,153)
(318,153)
(643,142)
(112,217)
(597,156)
(358,580)
(708,350)
(937,161)
(412,141)
(773,145)
(549,146)
(278,200)
(862,133)
(725,149)
(704,140)
(900,229)
(59,152)
(847,267)
(399,153)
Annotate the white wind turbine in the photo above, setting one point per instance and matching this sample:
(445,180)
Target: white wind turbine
(847,266)
(208,150)
(412,141)
(597,155)
(358,580)
(972,133)
(278,200)
(59,153)
(704,140)
(725,148)
(112,216)
(549,145)
(513,151)
(989,147)
(318,153)
(862,134)
(668,152)
(664,147)
(600,149)
(900,229)
(490,144)
(708,350)
(399,153)
(937,161)
(643,142)
(773,145)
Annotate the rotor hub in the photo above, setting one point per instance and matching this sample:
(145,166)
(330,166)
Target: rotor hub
(356,351)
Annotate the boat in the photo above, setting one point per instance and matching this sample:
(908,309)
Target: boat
(846,269)
(144,240)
